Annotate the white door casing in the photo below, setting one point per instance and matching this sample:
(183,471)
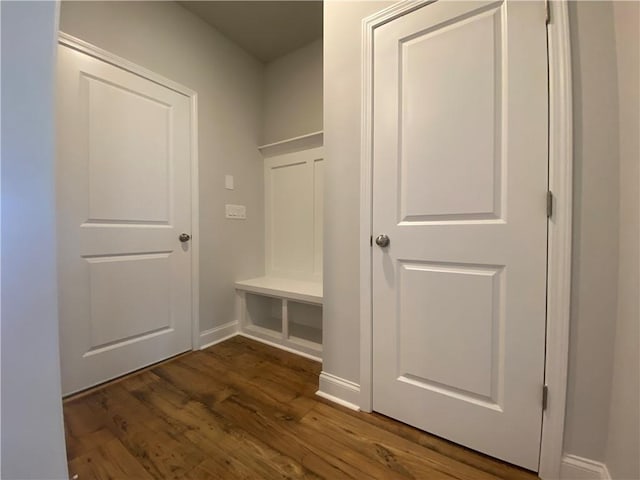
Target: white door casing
(123,198)
(459,185)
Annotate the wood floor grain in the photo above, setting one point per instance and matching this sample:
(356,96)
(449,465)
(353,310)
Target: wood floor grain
(244,410)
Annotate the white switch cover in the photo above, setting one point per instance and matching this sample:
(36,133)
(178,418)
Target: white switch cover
(228,182)
(236,212)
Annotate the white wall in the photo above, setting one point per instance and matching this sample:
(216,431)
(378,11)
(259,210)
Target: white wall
(293,94)
(623,440)
(341,312)
(32,430)
(595,229)
(169,40)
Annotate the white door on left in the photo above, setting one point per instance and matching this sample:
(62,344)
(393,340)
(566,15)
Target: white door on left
(123,200)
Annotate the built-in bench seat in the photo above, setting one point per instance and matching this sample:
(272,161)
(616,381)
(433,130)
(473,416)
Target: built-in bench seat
(278,308)
(283,312)
(304,291)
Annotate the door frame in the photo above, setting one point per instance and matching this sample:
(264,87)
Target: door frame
(108,57)
(559,224)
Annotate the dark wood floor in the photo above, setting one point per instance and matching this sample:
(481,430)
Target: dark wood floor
(244,410)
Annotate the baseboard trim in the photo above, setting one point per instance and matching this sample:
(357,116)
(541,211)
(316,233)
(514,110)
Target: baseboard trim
(218,334)
(281,347)
(579,468)
(340,391)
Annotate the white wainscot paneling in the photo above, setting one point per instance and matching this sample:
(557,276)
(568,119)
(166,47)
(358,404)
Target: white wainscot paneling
(293,202)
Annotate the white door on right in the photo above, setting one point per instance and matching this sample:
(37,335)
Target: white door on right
(460,182)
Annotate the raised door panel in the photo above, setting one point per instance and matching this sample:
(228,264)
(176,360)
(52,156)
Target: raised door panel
(129,154)
(450,80)
(449,323)
(130,297)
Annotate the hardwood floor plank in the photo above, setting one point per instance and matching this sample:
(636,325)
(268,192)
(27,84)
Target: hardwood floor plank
(221,440)
(78,445)
(186,377)
(158,446)
(108,461)
(474,459)
(299,368)
(245,410)
(215,470)
(80,419)
(388,448)
(280,393)
(265,427)
(287,433)
(464,455)
(297,364)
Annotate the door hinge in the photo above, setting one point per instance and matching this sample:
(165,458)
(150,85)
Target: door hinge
(547,9)
(549,204)
(545,397)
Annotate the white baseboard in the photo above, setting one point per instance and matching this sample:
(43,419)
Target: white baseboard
(280,346)
(340,391)
(579,468)
(218,334)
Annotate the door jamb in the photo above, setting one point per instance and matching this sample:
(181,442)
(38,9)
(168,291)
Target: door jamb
(559,225)
(108,57)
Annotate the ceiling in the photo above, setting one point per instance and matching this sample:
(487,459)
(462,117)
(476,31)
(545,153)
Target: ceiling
(265,29)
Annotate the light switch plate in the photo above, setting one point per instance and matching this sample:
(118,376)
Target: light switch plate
(228,182)
(235,212)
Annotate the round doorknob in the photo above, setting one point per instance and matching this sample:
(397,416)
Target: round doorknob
(184,237)
(382,240)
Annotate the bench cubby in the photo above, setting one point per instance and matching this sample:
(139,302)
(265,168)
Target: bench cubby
(283,312)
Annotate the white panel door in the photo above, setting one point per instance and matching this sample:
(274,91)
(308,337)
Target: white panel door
(460,181)
(124,197)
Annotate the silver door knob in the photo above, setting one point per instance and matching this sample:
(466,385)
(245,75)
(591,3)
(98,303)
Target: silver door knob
(184,237)
(382,240)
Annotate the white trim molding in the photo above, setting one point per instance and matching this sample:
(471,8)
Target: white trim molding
(218,334)
(578,468)
(115,60)
(195,226)
(559,238)
(110,58)
(303,142)
(280,346)
(338,390)
(559,233)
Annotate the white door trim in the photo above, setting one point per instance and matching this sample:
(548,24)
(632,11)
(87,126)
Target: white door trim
(105,56)
(560,235)
(559,225)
